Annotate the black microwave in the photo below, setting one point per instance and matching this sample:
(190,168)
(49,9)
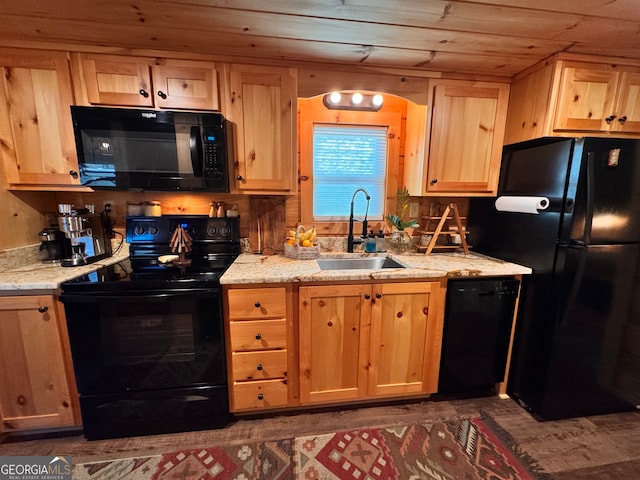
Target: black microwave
(156,150)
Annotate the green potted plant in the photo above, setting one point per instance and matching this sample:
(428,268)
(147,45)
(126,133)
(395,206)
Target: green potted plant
(400,240)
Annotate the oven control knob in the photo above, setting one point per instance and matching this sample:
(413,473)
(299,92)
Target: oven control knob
(224,231)
(139,230)
(212,230)
(153,230)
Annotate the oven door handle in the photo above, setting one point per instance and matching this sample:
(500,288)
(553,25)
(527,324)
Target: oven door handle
(91,297)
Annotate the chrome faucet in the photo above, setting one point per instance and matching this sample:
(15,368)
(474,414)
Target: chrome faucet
(350,240)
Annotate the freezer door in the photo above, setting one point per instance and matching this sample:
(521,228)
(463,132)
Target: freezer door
(531,169)
(608,195)
(593,292)
(537,168)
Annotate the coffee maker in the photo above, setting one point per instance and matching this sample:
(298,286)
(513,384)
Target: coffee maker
(86,231)
(54,246)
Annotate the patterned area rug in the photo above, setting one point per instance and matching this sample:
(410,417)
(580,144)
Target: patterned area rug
(467,449)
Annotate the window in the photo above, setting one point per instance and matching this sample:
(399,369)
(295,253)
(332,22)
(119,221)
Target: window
(347,157)
(337,140)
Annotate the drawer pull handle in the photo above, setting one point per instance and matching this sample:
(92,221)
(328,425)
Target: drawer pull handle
(260,396)
(259,367)
(258,336)
(257,305)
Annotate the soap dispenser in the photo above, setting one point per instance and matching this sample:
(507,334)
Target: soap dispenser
(370,243)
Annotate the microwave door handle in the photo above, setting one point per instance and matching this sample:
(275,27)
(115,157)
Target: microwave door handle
(195,146)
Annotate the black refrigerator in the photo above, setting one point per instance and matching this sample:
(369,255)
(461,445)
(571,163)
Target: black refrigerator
(569,208)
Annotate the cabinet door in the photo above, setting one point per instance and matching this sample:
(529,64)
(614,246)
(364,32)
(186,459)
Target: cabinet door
(628,104)
(35,391)
(334,326)
(406,337)
(36,134)
(586,98)
(467,129)
(263,106)
(113,80)
(186,84)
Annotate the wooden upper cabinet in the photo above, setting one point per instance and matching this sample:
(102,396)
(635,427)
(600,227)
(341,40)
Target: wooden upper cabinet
(568,96)
(36,134)
(586,100)
(38,390)
(115,80)
(454,145)
(262,106)
(628,103)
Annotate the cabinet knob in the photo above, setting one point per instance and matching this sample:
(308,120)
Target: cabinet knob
(610,118)
(433,181)
(378,295)
(260,396)
(73,174)
(240,178)
(367,296)
(259,367)
(162,95)
(258,336)
(144,93)
(43,309)
(622,119)
(257,305)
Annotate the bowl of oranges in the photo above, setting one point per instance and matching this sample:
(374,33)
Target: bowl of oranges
(301,244)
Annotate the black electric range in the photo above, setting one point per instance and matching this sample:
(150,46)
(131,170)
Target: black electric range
(147,338)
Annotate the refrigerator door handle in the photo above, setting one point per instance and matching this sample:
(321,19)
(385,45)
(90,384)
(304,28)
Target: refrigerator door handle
(576,284)
(590,185)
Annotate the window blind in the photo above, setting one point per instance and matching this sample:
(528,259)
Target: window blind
(347,157)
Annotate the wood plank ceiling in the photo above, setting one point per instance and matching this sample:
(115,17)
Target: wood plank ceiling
(490,37)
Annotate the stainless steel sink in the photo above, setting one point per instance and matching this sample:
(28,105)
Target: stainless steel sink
(365,263)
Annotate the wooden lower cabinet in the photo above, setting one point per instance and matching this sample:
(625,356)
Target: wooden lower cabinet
(260,346)
(36,375)
(368,341)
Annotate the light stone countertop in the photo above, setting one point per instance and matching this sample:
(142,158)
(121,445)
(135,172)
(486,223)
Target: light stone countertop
(253,268)
(22,274)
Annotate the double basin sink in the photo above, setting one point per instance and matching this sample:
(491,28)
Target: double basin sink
(358,263)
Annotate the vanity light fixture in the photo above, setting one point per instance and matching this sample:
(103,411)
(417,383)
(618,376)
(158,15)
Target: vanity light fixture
(353,101)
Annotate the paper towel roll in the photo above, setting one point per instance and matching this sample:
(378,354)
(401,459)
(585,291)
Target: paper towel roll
(522,204)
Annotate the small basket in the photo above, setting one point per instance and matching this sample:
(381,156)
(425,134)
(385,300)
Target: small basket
(297,252)
(301,253)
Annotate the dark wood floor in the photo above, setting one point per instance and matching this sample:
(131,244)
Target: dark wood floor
(599,447)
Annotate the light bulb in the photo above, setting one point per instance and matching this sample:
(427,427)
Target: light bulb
(335,98)
(377,100)
(356,98)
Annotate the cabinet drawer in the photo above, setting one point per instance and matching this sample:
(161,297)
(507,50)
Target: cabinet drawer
(259,365)
(258,335)
(259,395)
(257,303)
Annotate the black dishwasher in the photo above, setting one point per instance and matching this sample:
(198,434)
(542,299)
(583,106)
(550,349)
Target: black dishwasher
(477,328)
